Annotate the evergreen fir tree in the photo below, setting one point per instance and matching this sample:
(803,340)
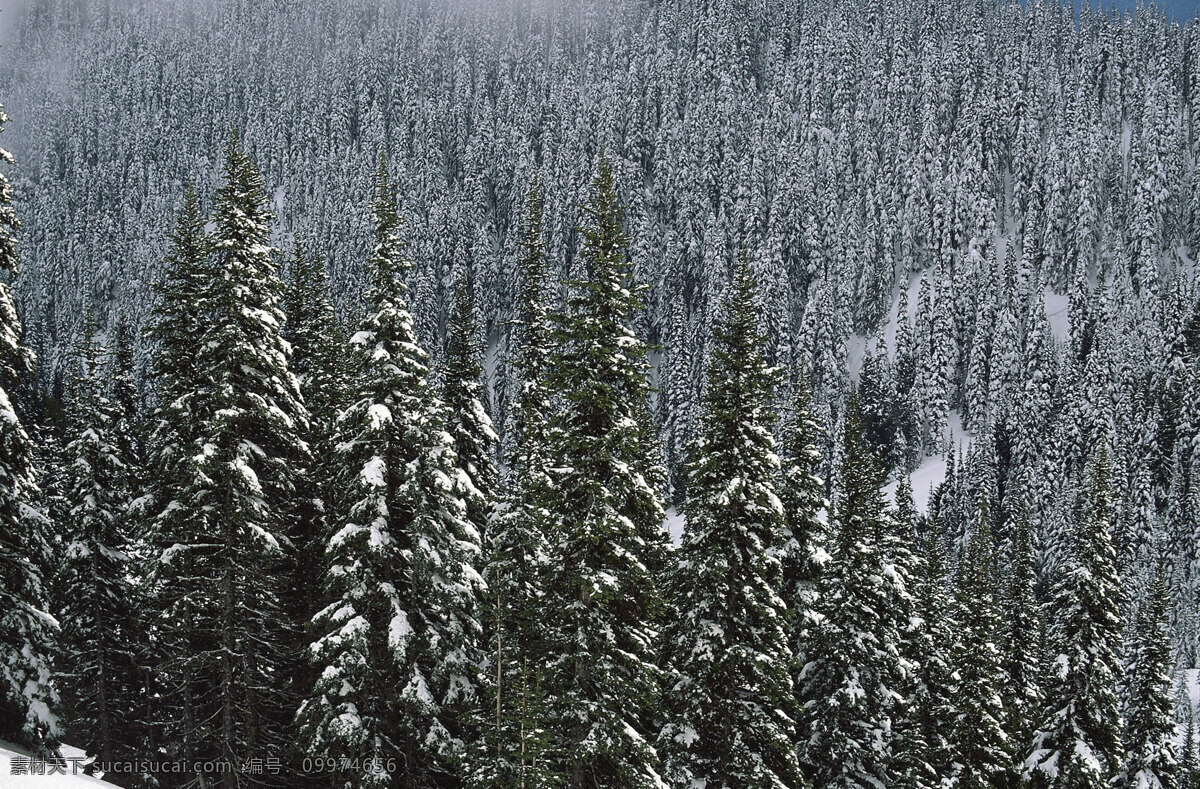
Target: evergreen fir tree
(730,717)
(924,752)
(1021,636)
(852,681)
(980,745)
(122,389)
(1188,771)
(463,392)
(601,679)
(173,586)
(100,640)
(802,495)
(313,333)
(316,359)
(1078,744)
(397,643)
(515,734)
(224,526)
(28,699)
(1150,731)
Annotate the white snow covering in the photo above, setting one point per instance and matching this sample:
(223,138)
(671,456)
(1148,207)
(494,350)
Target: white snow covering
(856,349)
(399,630)
(674,524)
(373,471)
(379,415)
(932,470)
(926,477)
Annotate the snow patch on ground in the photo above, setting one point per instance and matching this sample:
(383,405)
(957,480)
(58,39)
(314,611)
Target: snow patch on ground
(925,479)
(9,781)
(1185,259)
(932,470)
(960,437)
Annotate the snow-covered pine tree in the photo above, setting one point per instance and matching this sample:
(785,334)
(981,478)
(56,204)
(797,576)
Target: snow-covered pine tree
(100,640)
(515,734)
(172,584)
(854,673)
(1187,771)
(397,642)
(1022,634)
(27,631)
(1078,743)
(317,360)
(729,702)
(802,494)
(601,677)
(980,746)
(312,331)
(923,748)
(463,391)
(123,391)
(1150,731)
(221,584)
(879,405)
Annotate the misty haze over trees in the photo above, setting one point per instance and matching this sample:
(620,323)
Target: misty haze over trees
(601,394)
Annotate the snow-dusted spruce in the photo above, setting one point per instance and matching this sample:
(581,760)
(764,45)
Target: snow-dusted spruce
(467,421)
(802,494)
(130,439)
(1021,636)
(1078,743)
(1150,730)
(924,752)
(510,750)
(173,582)
(841,208)
(1188,772)
(312,332)
(223,526)
(397,643)
(122,390)
(99,613)
(851,683)
(729,703)
(27,631)
(981,748)
(317,359)
(900,567)
(601,679)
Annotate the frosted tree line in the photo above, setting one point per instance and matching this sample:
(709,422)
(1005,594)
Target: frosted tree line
(354,446)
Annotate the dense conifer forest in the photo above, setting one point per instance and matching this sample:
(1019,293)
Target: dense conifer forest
(600,393)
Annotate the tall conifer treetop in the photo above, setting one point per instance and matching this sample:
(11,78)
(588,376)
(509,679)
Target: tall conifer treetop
(602,681)
(1078,743)
(730,702)
(27,631)
(397,645)
(854,673)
